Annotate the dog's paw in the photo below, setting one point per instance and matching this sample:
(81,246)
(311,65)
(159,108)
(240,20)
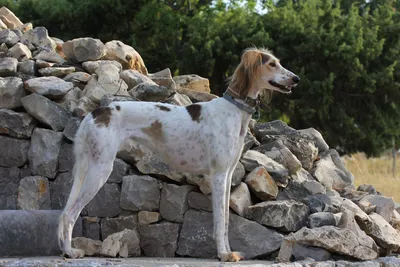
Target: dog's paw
(232,256)
(75,253)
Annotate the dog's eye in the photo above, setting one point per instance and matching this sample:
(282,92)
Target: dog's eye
(272,64)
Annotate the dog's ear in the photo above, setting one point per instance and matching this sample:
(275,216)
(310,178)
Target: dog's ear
(248,68)
(264,58)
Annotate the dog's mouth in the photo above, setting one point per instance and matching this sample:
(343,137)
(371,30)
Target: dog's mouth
(286,89)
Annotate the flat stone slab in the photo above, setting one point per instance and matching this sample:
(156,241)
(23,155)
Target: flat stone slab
(173,262)
(30,233)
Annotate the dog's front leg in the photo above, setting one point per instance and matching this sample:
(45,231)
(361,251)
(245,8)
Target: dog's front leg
(218,181)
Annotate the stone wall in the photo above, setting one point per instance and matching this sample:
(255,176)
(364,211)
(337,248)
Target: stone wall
(292,197)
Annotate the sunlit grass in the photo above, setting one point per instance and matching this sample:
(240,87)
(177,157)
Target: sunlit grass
(377,172)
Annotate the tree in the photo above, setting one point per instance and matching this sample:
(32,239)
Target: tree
(347,60)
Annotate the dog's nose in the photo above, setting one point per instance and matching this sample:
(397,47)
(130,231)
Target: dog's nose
(296,79)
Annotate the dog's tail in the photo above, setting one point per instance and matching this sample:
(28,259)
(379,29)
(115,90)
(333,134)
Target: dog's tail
(79,172)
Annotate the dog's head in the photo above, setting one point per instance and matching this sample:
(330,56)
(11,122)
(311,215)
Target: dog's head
(260,70)
(273,76)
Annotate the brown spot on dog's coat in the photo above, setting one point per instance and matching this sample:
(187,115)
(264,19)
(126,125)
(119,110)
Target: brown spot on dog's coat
(164,108)
(194,111)
(118,108)
(154,131)
(102,116)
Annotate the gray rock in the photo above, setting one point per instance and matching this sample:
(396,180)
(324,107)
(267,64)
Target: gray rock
(304,149)
(381,231)
(384,205)
(34,193)
(300,186)
(159,240)
(151,164)
(316,137)
(273,128)
(262,184)
(66,158)
(126,55)
(238,174)
(389,261)
(201,181)
(27,67)
(79,79)
(178,99)
(106,202)
(134,77)
(84,106)
(277,151)
(84,49)
(120,169)
(51,87)
(8,66)
(114,225)
(71,127)
(8,37)
(199,201)
(319,203)
(331,172)
(131,151)
(56,71)
(150,92)
(249,142)
(148,217)
(22,228)
(173,202)
(11,92)
(14,151)
(286,215)
(46,111)
(124,244)
(44,152)
(91,227)
(319,219)
(253,159)
(240,199)
(89,246)
(49,56)
(16,124)
(196,236)
(304,252)
(333,239)
(38,37)
(163,78)
(140,193)
(252,239)
(91,66)
(108,83)
(107,99)
(9,181)
(60,189)
(367,188)
(20,52)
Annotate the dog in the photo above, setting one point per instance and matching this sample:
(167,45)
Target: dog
(203,138)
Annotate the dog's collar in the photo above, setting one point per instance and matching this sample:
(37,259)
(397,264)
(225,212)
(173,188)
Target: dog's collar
(250,105)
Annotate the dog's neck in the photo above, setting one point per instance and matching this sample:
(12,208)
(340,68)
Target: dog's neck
(247,104)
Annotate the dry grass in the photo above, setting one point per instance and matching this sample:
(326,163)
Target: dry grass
(377,172)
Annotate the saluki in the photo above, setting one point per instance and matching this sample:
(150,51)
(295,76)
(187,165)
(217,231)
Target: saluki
(203,138)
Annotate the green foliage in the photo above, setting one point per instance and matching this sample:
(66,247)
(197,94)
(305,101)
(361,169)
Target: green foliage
(345,52)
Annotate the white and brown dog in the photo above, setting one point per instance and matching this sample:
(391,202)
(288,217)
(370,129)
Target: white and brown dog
(203,138)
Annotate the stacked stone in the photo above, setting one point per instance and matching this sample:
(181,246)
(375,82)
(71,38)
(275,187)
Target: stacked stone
(292,197)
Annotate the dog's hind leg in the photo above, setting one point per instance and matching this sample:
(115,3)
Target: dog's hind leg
(94,159)
(90,184)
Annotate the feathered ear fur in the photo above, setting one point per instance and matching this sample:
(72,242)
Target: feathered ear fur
(242,79)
